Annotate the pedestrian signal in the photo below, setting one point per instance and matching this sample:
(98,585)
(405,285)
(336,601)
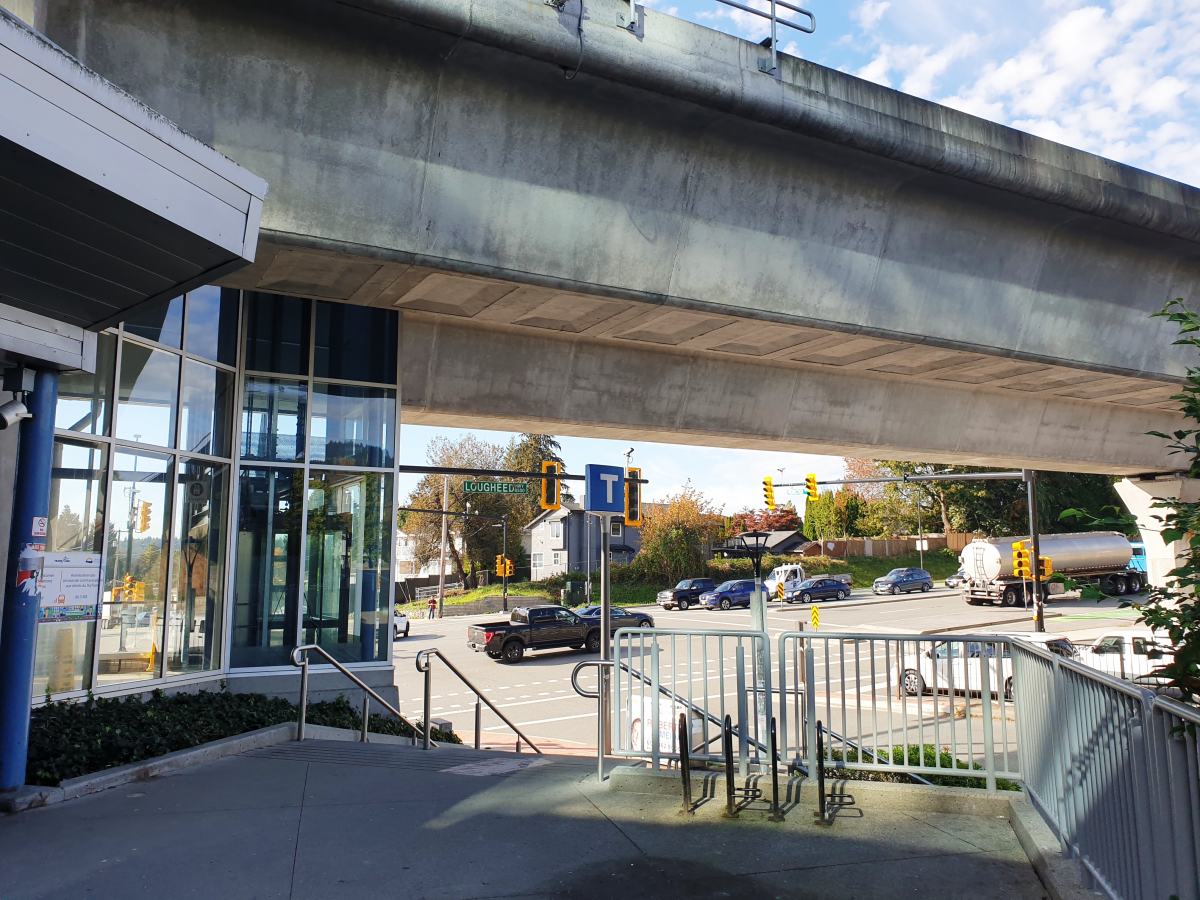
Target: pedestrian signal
(550,493)
(769,492)
(810,486)
(1045,567)
(508,568)
(633,497)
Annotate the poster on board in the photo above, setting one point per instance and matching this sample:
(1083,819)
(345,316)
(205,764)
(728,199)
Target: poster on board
(70,587)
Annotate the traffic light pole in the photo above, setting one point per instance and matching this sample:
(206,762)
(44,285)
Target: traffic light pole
(504,519)
(1035,550)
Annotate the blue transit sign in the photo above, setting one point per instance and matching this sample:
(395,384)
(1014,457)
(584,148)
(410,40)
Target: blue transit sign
(604,489)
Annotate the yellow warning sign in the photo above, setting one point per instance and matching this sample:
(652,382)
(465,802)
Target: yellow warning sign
(816,617)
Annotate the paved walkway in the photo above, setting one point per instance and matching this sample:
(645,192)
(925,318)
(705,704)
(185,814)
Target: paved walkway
(327,820)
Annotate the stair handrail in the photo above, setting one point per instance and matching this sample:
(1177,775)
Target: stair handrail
(423,665)
(300,659)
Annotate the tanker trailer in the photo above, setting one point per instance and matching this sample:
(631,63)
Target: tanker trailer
(1091,557)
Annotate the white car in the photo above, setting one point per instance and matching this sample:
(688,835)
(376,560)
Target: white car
(954,666)
(1129,653)
(399,625)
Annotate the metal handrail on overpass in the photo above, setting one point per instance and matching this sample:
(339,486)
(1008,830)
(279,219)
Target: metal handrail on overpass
(773,17)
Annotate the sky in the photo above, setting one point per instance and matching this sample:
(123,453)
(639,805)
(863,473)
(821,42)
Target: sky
(1121,79)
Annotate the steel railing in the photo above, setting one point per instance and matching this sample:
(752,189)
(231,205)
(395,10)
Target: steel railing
(924,705)
(423,665)
(300,659)
(771,14)
(1115,771)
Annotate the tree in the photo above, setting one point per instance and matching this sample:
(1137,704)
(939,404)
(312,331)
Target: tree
(674,536)
(525,453)
(784,518)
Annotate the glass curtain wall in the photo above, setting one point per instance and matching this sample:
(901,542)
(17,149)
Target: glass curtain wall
(141,482)
(316,507)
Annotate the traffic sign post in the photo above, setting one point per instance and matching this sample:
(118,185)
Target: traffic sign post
(604,495)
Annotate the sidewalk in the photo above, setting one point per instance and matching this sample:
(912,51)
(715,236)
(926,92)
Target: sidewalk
(325,820)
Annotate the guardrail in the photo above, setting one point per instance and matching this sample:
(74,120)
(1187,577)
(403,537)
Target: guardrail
(921,705)
(300,659)
(423,665)
(1115,771)
(771,13)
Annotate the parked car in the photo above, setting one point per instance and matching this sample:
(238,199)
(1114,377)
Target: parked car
(955,666)
(1058,644)
(821,588)
(1129,653)
(782,575)
(399,625)
(956,580)
(534,628)
(685,594)
(727,595)
(618,617)
(902,581)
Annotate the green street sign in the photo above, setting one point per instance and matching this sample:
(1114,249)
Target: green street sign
(495,487)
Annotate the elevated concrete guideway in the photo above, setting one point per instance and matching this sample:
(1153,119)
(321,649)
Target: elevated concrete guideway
(672,245)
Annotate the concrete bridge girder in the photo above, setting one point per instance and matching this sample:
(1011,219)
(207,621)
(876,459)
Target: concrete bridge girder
(453,177)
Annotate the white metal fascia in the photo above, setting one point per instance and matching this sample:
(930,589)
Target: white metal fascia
(52,105)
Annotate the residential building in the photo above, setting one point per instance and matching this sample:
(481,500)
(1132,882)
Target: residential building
(568,540)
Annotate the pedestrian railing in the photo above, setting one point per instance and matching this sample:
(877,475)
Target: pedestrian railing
(771,11)
(921,705)
(1115,771)
(424,593)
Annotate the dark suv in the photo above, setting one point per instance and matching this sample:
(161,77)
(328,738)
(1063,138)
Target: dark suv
(685,594)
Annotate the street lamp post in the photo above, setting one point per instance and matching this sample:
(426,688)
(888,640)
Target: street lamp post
(754,545)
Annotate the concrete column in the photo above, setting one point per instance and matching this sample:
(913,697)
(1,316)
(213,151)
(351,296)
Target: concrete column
(1140,496)
(26,549)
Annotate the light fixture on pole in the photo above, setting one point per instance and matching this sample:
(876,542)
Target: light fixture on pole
(754,545)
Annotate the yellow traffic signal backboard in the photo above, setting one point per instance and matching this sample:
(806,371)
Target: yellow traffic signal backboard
(551,497)
(810,486)
(769,492)
(633,497)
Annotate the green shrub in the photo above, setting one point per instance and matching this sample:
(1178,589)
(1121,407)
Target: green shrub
(67,740)
(927,755)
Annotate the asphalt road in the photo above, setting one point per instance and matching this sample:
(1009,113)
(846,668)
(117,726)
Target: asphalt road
(537,694)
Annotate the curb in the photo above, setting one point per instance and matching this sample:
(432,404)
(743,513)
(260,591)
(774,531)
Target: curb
(33,796)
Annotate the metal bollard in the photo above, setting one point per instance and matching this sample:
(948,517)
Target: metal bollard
(366,718)
(727,737)
(478,719)
(776,815)
(685,764)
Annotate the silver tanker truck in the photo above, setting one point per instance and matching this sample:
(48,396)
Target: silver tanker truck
(1093,557)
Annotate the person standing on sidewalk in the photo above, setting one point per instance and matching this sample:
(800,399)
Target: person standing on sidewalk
(432,608)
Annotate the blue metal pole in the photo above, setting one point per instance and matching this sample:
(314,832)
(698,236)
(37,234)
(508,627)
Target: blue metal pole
(18,634)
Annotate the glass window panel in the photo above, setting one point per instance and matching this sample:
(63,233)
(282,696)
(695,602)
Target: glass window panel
(353,426)
(267,578)
(84,399)
(349,555)
(277,334)
(204,413)
(356,343)
(162,322)
(194,617)
(132,615)
(273,417)
(78,477)
(212,323)
(148,388)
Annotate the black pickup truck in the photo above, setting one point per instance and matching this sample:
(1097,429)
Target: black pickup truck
(533,628)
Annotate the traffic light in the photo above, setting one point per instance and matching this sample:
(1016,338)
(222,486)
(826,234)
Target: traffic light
(1045,567)
(499,566)
(633,497)
(810,486)
(508,568)
(139,592)
(551,499)
(769,492)
(127,589)
(143,517)
(1021,562)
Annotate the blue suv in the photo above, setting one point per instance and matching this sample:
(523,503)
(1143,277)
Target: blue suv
(729,594)
(901,581)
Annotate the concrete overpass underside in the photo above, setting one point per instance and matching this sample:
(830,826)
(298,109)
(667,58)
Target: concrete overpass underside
(673,246)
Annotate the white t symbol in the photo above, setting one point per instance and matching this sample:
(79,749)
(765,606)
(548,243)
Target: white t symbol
(609,481)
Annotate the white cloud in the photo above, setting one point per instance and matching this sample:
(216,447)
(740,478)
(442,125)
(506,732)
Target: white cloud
(870,12)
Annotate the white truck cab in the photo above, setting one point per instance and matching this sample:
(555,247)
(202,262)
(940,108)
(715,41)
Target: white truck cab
(781,574)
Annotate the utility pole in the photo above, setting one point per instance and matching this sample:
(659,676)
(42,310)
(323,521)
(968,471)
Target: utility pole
(920,531)
(445,523)
(505,551)
(1035,549)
